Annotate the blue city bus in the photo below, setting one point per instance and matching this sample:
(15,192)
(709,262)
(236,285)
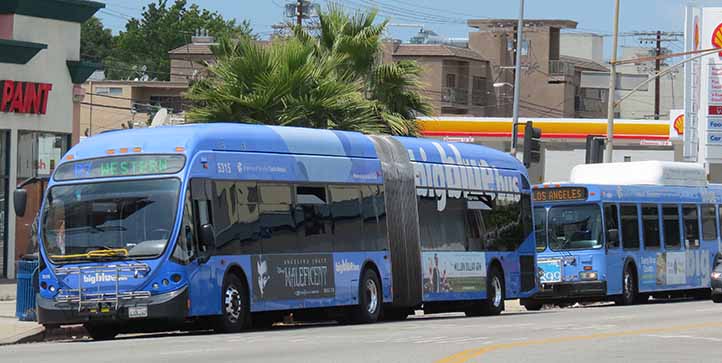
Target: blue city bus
(606,237)
(238,225)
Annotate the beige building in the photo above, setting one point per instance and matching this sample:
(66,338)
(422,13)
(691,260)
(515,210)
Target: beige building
(455,80)
(112,105)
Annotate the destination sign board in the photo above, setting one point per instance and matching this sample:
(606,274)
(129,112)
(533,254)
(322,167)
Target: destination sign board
(119,166)
(562,194)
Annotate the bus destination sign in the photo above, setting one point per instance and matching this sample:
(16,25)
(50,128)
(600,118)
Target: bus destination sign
(560,194)
(119,166)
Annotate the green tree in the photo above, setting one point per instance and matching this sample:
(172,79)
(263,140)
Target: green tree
(161,28)
(96,41)
(284,83)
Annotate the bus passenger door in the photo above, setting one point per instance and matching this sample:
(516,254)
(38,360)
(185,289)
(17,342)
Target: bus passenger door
(204,293)
(613,246)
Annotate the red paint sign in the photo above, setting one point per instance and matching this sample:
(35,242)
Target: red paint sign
(24,97)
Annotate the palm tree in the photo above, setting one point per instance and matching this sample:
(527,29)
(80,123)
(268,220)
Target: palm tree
(394,87)
(333,81)
(284,83)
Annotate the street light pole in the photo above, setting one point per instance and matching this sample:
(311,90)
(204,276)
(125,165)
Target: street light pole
(612,87)
(517,77)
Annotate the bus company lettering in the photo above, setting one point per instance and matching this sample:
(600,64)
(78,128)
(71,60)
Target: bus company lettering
(456,177)
(347,266)
(101,277)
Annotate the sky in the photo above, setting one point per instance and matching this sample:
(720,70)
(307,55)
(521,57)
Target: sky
(447,17)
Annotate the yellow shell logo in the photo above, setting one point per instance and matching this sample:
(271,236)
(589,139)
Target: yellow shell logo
(679,124)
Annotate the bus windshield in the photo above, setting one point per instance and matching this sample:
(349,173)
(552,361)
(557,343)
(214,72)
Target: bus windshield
(576,227)
(111,220)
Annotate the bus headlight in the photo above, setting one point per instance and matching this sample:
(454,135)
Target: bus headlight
(588,276)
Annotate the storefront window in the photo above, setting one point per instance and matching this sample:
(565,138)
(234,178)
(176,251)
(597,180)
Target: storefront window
(38,155)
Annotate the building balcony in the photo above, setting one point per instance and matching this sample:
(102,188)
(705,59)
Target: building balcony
(560,71)
(478,97)
(457,96)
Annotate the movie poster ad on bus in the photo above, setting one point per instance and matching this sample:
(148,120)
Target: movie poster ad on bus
(454,272)
(289,277)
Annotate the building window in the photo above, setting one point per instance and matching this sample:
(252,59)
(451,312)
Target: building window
(478,91)
(39,153)
(109,91)
(450,80)
(173,103)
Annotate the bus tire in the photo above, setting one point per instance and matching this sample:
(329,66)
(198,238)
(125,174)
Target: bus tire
(717,298)
(101,331)
(369,299)
(533,305)
(235,306)
(629,288)
(494,303)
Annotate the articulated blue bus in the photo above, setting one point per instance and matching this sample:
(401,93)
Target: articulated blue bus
(625,232)
(239,225)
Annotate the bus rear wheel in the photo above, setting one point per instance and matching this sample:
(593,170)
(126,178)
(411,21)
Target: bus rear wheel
(235,306)
(101,331)
(369,299)
(494,303)
(629,288)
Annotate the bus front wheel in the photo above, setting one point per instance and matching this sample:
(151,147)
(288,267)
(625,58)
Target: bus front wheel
(235,304)
(533,305)
(629,288)
(369,299)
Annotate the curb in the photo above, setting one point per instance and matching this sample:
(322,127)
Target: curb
(40,334)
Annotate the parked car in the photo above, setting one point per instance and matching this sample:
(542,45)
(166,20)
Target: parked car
(717,284)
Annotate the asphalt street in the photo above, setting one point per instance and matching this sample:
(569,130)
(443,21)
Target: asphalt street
(686,331)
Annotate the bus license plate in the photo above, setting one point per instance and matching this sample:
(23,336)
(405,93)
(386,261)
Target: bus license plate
(135,312)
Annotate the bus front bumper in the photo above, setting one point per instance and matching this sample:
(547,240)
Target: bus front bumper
(168,306)
(571,290)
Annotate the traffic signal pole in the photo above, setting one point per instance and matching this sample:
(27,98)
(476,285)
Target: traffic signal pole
(612,87)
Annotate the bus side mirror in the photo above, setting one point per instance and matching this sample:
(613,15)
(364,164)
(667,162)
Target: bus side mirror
(20,201)
(207,236)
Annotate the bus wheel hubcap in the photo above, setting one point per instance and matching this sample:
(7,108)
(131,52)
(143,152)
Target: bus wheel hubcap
(628,285)
(372,296)
(233,304)
(497,291)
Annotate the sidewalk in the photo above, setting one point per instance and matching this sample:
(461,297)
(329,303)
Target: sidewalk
(7,290)
(14,331)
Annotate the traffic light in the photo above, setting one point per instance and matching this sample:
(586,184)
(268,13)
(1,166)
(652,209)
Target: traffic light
(595,149)
(532,144)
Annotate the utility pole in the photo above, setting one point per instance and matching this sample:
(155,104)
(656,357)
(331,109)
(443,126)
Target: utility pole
(608,152)
(518,47)
(657,66)
(299,13)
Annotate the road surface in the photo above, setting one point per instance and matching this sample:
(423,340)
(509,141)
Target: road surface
(687,331)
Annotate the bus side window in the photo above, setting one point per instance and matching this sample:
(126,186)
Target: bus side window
(650,224)
(630,226)
(611,222)
(709,222)
(313,218)
(670,214)
(346,213)
(691,226)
